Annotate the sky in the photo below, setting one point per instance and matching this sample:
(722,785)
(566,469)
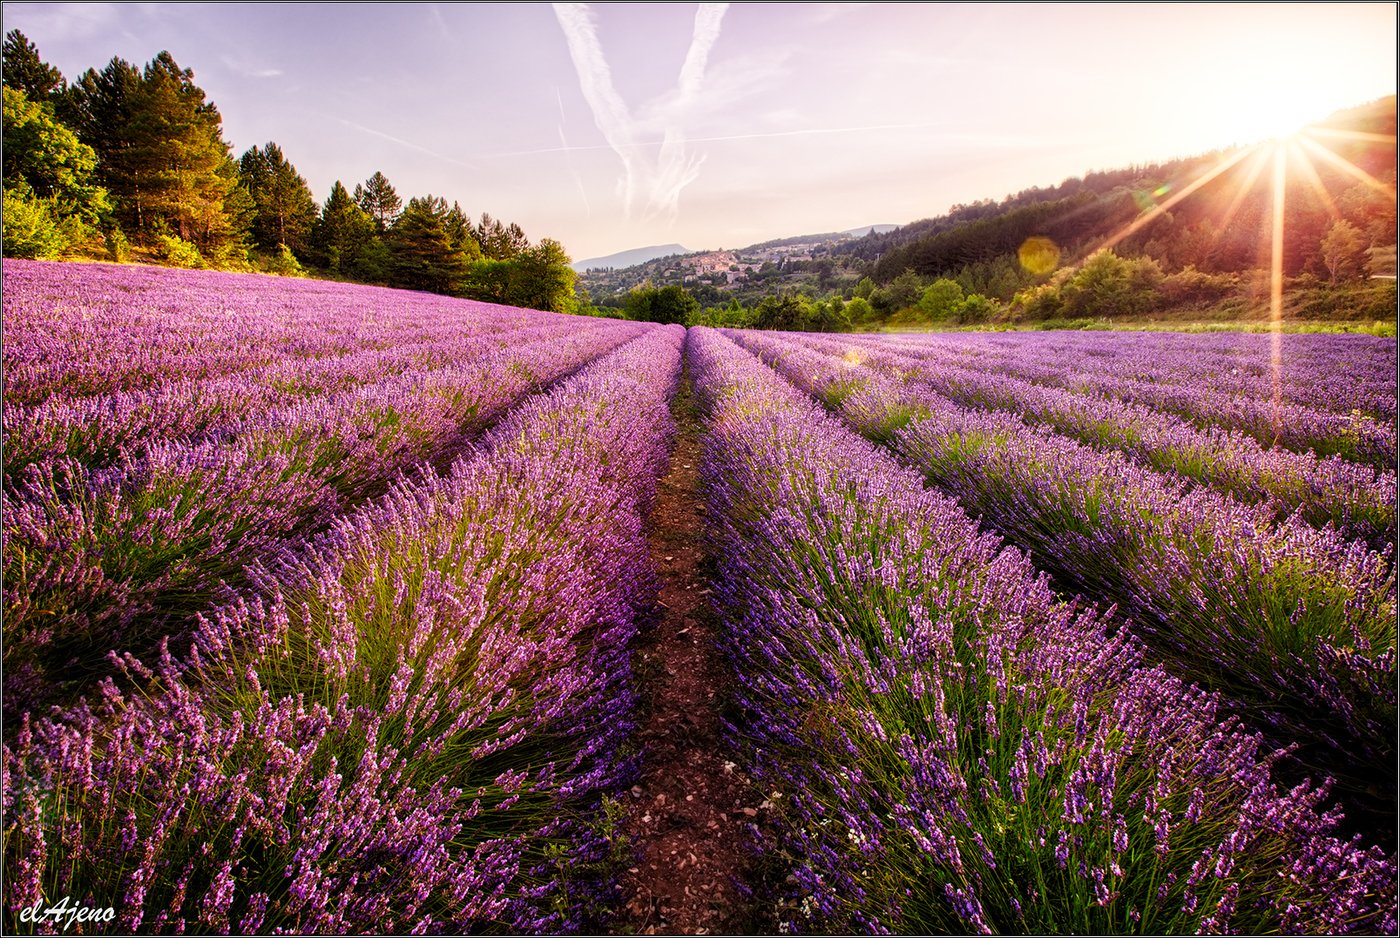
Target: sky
(614,126)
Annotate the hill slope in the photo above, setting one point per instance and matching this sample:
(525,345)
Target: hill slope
(629,258)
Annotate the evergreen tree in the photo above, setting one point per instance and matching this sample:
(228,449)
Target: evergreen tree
(25,71)
(284,207)
(422,255)
(500,242)
(160,154)
(99,108)
(460,232)
(379,200)
(341,233)
(178,155)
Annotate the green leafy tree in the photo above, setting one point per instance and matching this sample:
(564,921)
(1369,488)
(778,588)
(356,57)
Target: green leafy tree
(784,311)
(284,207)
(1108,285)
(672,304)
(488,280)
(379,200)
(30,228)
(941,299)
(541,278)
(50,159)
(25,71)
(859,311)
(976,308)
(1344,251)
(901,293)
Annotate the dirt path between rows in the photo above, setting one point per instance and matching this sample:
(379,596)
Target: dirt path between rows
(688,817)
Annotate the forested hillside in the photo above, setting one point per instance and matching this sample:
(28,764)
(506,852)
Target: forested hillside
(1189,234)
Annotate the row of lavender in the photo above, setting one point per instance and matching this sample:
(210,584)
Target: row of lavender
(411,726)
(1359,370)
(123,518)
(94,328)
(1358,500)
(97,429)
(948,746)
(1335,393)
(1295,625)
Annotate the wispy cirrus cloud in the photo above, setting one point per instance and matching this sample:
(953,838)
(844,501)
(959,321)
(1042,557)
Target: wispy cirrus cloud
(651,177)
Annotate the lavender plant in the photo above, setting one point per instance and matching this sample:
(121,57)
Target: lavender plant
(948,746)
(118,557)
(1295,625)
(412,725)
(1358,500)
(1335,396)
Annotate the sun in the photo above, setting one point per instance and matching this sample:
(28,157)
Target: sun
(1276,119)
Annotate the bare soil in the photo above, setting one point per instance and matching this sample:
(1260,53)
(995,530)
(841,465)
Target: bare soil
(689,817)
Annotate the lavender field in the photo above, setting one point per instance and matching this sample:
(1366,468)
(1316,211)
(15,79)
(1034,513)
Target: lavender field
(322,605)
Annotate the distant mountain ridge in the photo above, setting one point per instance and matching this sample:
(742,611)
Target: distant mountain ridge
(629,258)
(635,256)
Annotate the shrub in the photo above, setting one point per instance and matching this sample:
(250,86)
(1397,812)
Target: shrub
(175,251)
(30,228)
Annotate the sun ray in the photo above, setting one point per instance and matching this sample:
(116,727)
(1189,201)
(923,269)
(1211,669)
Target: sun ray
(1261,157)
(1348,167)
(1157,210)
(1276,281)
(1348,134)
(1314,181)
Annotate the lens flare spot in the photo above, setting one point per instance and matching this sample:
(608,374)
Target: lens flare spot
(1161,190)
(1039,255)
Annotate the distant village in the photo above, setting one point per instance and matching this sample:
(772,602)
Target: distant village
(724,270)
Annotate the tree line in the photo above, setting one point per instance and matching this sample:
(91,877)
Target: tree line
(129,162)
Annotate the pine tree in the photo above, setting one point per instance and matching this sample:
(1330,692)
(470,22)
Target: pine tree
(379,200)
(284,207)
(99,108)
(341,233)
(422,255)
(177,152)
(25,71)
(500,242)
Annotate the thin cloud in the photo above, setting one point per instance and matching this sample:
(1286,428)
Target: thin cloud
(660,178)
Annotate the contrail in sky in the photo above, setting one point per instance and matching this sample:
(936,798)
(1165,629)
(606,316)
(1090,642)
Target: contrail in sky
(800,132)
(566,150)
(405,143)
(658,178)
